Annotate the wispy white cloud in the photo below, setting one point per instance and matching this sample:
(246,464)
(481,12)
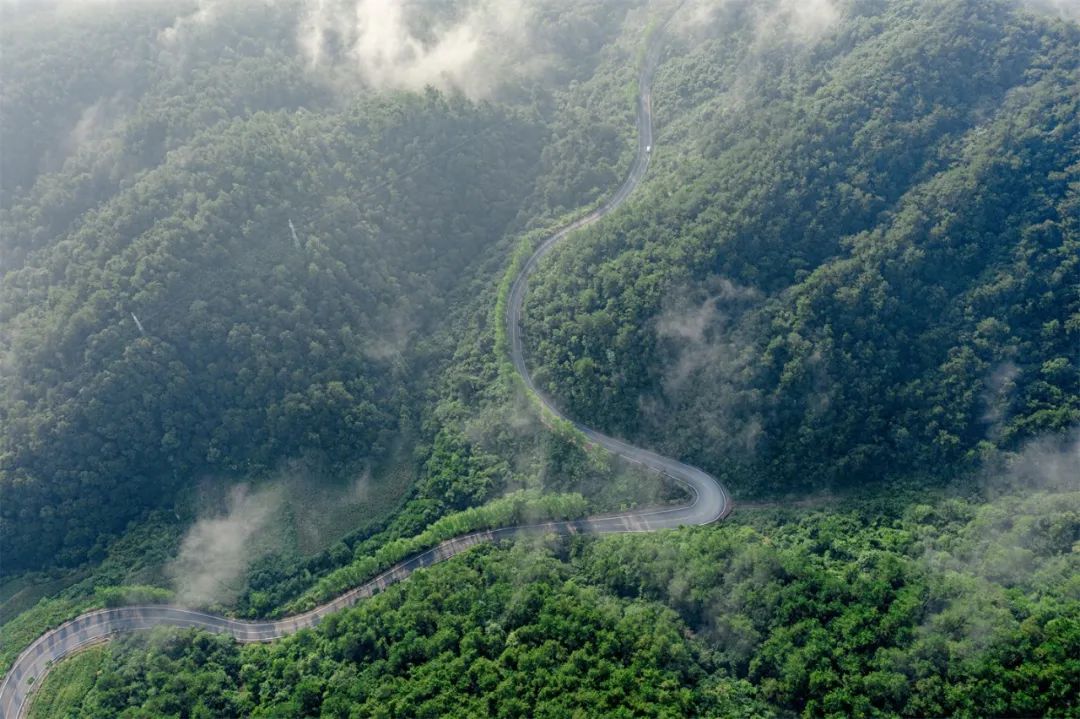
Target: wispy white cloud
(1066,9)
(704,345)
(216,551)
(769,21)
(382,43)
(1050,463)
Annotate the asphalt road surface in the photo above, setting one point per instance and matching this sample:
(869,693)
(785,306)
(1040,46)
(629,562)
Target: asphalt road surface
(709,500)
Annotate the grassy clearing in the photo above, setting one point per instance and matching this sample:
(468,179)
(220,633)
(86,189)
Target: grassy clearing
(19,594)
(67,685)
(322,512)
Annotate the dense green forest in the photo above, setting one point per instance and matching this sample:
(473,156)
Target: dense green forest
(852,271)
(855,258)
(257,343)
(239,264)
(950,609)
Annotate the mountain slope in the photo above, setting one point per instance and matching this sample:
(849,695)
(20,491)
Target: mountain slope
(220,256)
(857,258)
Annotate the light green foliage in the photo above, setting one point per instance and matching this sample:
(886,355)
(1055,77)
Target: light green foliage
(135,559)
(132,594)
(68,684)
(21,631)
(523,507)
(500,634)
(855,614)
(851,613)
(855,255)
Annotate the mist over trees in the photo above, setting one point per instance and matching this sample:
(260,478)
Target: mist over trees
(948,610)
(854,257)
(219,255)
(239,237)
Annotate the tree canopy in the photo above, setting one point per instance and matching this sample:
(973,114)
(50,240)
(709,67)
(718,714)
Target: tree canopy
(852,258)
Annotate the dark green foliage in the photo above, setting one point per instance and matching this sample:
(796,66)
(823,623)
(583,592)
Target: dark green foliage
(93,96)
(862,258)
(166,181)
(257,345)
(856,255)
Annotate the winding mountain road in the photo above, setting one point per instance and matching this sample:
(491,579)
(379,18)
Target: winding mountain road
(709,503)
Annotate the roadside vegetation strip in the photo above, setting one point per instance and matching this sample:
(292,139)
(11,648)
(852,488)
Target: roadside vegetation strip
(516,508)
(68,684)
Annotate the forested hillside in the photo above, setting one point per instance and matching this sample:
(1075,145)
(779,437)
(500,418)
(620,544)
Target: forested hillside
(218,257)
(240,239)
(857,255)
(946,610)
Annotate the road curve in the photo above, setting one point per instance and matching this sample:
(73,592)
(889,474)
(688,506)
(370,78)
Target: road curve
(709,503)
